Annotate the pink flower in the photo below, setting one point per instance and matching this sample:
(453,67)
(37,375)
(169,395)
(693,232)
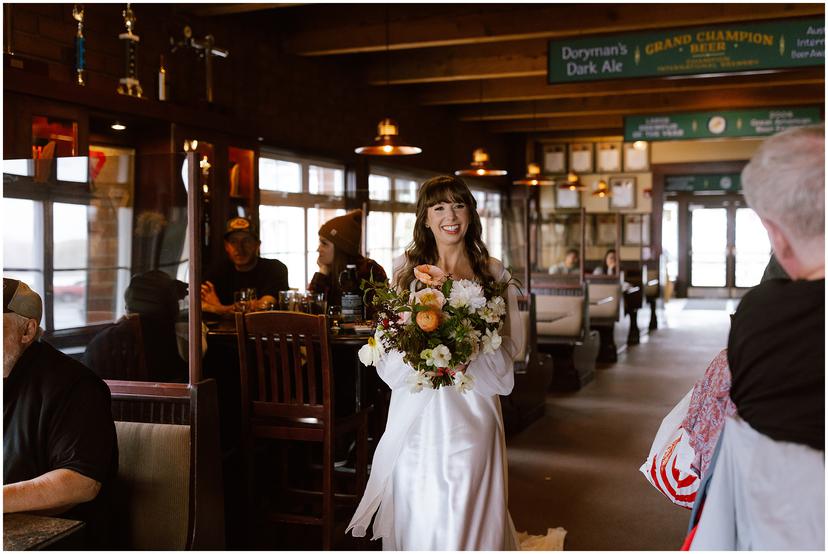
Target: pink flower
(430,275)
(430,297)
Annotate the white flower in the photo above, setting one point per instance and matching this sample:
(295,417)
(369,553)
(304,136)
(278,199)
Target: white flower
(463,382)
(466,293)
(429,297)
(418,381)
(494,310)
(491,341)
(372,352)
(439,356)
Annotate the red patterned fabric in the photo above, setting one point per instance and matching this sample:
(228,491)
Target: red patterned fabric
(710,404)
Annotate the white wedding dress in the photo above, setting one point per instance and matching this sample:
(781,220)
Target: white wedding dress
(439,475)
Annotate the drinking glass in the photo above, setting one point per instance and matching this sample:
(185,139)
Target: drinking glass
(335,316)
(241,300)
(286,300)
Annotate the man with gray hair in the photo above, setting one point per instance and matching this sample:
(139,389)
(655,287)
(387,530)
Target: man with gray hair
(60,452)
(767,490)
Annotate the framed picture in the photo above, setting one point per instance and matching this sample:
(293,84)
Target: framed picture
(565,198)
(580,157)
(605,229)
(608,157)
(623,192)
(636,229)
(554,158)
(636,156)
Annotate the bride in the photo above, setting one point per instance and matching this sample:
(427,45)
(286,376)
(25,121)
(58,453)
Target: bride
(439,475)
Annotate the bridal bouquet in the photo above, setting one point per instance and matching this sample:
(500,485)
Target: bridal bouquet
(439,329)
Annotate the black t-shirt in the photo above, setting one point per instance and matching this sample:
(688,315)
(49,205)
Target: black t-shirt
(776,353)
(267,277)
(57,414)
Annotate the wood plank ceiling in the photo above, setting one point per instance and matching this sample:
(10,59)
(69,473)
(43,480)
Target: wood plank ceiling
(451,55)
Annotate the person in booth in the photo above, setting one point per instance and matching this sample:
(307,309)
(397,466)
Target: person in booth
(610,265)
(243,269)
(767,486)
(339,240)
(60,451)
(570,265)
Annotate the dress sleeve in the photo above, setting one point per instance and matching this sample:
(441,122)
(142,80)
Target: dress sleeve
(493,373)
(393,370)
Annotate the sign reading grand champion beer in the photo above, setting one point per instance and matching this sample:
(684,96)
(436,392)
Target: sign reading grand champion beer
(701,125)
(711,49)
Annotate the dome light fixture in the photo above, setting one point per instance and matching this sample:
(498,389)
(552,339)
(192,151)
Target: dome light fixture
(602,190)
(533,177)
(572,182)
(387,142)
(480,166)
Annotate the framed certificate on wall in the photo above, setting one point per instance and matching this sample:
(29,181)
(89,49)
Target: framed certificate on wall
(554,158)
(580,157)
(565,198)
(623,192)
(636,156)
(608,157)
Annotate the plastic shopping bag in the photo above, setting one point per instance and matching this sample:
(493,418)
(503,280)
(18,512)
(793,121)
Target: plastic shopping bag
(668,467)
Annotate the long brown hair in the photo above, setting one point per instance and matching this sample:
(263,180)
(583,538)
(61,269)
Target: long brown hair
(423,247)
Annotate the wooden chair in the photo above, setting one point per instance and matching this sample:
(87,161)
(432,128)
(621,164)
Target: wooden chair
(287,393)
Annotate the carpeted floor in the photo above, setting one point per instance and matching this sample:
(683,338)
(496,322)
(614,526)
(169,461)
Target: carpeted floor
(577,467)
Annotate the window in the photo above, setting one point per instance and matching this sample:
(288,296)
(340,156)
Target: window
(70,239)
(297,196)
(391,214)
(488,207)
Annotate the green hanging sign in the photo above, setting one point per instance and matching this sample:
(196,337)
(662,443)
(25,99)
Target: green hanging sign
(731,182)
(711,49)
(702,125)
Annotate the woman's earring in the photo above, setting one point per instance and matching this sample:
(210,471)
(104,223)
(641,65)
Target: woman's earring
(427,227)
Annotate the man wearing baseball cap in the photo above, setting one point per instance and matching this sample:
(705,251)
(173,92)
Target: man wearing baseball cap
(244,269)
(60,452)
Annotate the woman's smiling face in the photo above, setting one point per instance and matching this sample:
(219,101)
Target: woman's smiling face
(448,221)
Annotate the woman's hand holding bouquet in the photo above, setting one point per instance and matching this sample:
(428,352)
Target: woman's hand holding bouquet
(440,328)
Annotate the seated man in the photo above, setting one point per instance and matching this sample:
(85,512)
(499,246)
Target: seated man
(570,265)
(244,269)
(767,490)
(153,296)
(60,451)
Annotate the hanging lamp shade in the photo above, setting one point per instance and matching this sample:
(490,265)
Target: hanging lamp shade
(602,190)
(480,166)
(533,177)
(387,142)
(572,182)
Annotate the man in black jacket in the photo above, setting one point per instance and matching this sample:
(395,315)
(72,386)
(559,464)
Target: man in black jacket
(60,451)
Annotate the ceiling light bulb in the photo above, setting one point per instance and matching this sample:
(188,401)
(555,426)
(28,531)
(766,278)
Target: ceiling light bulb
(118,126)
(640,145)
(387,148)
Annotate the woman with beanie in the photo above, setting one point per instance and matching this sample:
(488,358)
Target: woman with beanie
(339,240)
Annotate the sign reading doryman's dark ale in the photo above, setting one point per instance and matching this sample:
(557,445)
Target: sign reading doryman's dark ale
(713,49)
(701,125)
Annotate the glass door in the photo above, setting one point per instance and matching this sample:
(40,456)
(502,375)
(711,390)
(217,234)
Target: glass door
(709,248)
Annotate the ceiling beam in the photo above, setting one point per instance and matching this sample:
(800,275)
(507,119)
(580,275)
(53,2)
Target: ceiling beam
(351,29)
(615,122)
(723,99)
(536,88)
(209,10)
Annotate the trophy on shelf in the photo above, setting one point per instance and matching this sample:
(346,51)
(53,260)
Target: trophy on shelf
(130,85)
(80,44)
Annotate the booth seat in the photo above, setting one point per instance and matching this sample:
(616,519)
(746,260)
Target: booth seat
(604,311)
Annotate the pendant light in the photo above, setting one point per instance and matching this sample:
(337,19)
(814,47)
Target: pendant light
(602,190)
(572,182)
(387,142)
(533,171)
(481,164)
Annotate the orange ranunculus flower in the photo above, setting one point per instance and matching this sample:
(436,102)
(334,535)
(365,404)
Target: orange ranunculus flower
(430,275)
(428,320)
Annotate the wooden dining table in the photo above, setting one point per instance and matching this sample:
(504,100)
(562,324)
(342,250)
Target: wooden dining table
(31,532)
